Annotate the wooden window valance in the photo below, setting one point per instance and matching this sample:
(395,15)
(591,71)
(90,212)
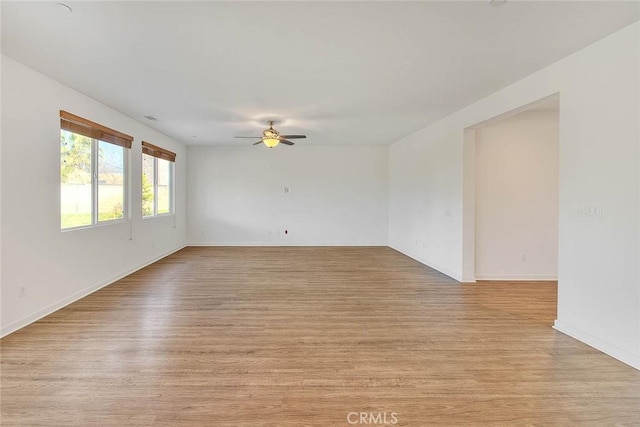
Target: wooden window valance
(76,124)
(155,151)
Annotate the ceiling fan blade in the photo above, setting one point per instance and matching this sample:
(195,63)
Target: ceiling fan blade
(256,143)
(252,137)
(293,136)
(285,142)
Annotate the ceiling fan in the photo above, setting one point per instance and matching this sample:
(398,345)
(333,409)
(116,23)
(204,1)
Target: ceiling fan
(271,137)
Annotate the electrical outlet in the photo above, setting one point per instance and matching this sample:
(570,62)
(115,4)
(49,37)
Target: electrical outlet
(23,291)
(287,189)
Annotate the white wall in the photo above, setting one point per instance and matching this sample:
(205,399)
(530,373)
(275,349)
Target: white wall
(598,272)
(338,195)
(516,211)
(56,267)
(425,209)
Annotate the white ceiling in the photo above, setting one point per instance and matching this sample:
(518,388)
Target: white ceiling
(341,72)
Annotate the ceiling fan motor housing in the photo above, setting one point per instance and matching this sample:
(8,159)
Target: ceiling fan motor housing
(270,133)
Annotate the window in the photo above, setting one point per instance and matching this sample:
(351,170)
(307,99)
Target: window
(157,180)
(92,172)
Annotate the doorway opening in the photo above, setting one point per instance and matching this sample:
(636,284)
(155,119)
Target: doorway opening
(511,196)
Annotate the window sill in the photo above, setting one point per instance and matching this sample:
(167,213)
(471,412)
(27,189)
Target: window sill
(159,215)
(98,225)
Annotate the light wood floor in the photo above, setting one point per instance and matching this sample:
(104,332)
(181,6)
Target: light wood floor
(304,336)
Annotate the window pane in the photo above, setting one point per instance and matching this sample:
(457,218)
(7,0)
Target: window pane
(110,181)
(164,186)
(75,180)
(147,185)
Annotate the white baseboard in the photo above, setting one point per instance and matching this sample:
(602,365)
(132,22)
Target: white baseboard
(19,324)
(453,274)
(624,356)
(518,277)
(280,244)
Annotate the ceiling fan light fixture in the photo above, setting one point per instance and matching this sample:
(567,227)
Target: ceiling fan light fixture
(271,142)
(271,137)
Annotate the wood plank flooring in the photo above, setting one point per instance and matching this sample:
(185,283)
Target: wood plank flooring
(305,336)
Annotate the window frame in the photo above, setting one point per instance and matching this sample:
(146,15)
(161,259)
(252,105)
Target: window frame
(96,133)
(158,153)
